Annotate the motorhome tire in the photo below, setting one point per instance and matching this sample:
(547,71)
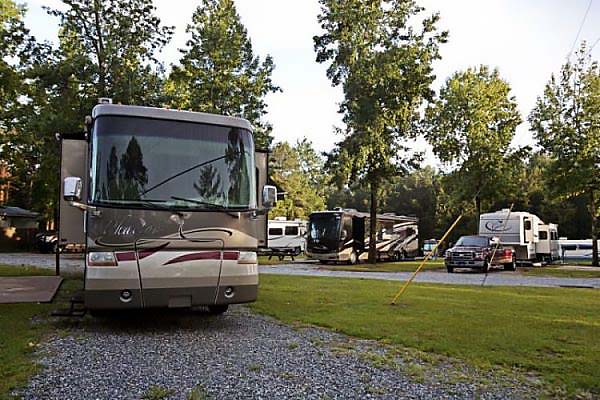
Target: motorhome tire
(218,309)
(512,266)
(353,258)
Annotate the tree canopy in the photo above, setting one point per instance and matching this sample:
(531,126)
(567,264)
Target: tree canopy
(566,123)
(219,73)
(470,126)
(384,64)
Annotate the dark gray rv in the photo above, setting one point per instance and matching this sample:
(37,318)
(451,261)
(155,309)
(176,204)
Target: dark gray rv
(173,208)
(343,235)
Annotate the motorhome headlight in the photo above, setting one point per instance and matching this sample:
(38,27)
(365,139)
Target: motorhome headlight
(102,259)
(247,257)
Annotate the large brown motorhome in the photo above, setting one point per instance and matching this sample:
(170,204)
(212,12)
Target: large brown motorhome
(171,210)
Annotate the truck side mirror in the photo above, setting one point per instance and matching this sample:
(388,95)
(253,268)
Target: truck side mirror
(269,195)
(72,188)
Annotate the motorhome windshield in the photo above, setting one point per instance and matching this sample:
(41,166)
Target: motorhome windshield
(324,227)
(140,162)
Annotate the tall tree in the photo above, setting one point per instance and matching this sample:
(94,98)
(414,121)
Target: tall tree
(383,63)
(294,170)
(219,73)
(566,123)
(115,42)
(470,126)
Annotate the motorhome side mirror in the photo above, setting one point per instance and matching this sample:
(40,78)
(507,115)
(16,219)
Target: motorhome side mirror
(72,188)
(269,196)
(344,235)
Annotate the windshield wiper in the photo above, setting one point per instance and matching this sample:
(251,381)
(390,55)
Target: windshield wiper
(204,203)
(185,171)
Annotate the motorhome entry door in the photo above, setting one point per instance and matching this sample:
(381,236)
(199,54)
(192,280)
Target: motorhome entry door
(179,273)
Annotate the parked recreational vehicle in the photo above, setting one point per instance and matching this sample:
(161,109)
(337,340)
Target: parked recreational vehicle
(287,237)
(343,235)
(576,249)
(171,213)
(525,232)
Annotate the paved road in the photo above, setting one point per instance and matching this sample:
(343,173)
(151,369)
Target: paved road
(465,277)
(73,262)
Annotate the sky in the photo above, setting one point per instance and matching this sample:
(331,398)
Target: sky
(527,40)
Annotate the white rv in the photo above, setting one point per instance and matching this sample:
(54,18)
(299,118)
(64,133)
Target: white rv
(287,237)
(531,238)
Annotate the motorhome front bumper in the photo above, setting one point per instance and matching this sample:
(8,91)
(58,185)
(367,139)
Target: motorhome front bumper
(328,256)
(169,297)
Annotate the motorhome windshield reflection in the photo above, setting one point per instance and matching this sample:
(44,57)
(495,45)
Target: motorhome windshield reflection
(139,162)
(325,230)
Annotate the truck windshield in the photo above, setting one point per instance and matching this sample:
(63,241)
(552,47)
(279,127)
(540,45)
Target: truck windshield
(140,162)
(474,241)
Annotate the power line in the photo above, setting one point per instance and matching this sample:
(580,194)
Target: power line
(580,28)
(592,46)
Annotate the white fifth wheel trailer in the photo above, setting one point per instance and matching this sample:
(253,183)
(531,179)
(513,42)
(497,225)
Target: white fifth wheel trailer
(532,239)
(286,238)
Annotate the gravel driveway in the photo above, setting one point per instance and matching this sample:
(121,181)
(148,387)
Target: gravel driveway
(241,355)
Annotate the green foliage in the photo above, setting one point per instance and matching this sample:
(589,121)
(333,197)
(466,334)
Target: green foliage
(219,73)
(114,42)
(471,126)
(298,171)
(383,64)
(566,123)
(106,50)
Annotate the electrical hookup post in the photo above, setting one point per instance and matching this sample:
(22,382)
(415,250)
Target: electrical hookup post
(427,257)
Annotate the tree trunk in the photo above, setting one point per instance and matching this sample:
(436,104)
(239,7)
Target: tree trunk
(373,225)
(478,207)
(593,212)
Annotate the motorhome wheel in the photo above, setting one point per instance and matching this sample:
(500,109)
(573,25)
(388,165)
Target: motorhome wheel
(353,258)
(218,309)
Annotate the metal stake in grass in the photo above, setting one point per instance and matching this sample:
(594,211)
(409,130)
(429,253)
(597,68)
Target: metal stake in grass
(427,257)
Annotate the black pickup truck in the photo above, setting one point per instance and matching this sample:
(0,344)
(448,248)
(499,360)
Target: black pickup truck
(477,252)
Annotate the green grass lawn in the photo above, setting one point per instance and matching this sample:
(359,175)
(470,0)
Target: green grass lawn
(554,332)
(21,332)
(400,266)
(563,273)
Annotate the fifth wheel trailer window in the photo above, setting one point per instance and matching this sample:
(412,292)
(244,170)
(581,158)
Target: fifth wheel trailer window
(275,231)
(291,231)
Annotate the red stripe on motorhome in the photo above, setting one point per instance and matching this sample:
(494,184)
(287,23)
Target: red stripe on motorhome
(205,255)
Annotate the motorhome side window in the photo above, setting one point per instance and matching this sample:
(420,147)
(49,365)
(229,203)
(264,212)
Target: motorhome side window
(275,231)
(543,235)
(291,231)
(142,162)
(527,225)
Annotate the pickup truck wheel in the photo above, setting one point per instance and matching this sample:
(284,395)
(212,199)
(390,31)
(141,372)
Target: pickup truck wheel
(450,269)
(486,266)
(512,266)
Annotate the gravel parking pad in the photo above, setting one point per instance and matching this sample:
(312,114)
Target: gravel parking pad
(244,355)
